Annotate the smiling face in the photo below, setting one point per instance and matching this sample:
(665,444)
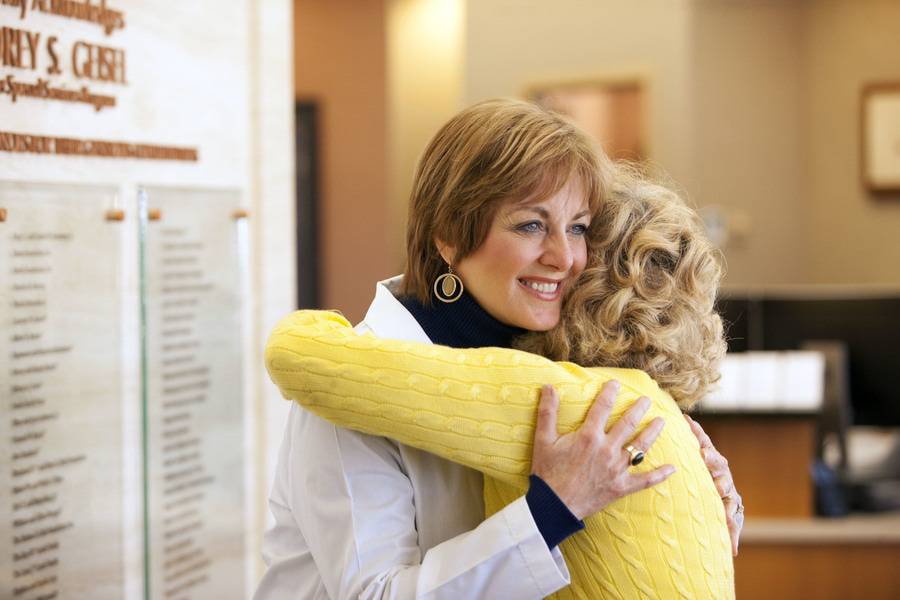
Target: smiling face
(533,251)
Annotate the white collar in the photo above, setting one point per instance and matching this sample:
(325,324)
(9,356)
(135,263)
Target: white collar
(388,318)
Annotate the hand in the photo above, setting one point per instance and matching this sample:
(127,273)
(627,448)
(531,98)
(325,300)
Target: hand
(588,468)
(721,474)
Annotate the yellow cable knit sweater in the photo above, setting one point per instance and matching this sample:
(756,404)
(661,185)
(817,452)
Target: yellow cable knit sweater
(477,407)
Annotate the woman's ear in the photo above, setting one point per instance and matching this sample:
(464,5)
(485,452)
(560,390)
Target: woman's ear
(447,252)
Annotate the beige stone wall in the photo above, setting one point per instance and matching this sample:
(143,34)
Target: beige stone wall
(208,75)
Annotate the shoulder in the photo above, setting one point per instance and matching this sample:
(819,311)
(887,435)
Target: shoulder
(640,383)
(323,446)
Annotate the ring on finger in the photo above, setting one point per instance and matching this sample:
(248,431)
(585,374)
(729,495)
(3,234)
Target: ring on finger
(637,456)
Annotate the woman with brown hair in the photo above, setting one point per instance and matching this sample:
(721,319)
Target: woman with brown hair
(506,194)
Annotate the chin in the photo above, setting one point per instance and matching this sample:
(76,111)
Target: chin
(542,323)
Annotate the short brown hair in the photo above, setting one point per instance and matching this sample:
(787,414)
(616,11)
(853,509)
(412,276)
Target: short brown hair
(490,153)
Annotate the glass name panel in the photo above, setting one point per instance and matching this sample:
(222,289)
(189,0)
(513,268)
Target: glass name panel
(61,435)
(194,253)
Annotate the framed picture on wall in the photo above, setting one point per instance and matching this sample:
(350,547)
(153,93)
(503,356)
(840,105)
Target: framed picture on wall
(880,137)
(612,111)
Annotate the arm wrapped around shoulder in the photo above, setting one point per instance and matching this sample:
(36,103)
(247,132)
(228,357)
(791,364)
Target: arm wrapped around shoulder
(474,406)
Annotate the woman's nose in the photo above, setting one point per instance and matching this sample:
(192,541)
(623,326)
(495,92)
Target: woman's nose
(557,252)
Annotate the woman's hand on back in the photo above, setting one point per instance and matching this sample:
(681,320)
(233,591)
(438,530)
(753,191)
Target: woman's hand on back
(721,474)
(588,468)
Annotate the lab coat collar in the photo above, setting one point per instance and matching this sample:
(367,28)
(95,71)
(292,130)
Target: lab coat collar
(387,318)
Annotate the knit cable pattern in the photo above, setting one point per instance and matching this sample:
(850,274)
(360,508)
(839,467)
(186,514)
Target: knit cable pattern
(477,407)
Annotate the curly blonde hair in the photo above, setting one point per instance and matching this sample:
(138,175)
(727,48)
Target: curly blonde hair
(646,299)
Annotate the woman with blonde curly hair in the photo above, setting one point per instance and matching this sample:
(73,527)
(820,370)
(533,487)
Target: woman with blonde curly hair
(644,301)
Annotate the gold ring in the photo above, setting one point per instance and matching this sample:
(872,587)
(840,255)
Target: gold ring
(637,456)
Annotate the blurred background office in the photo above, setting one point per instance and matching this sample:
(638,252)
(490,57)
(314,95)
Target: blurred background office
(175,177)
(779,121)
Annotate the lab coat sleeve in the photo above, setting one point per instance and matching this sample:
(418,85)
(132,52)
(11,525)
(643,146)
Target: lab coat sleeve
(351,499)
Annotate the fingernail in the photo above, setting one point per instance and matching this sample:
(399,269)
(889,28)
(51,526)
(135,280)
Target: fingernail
(614,384)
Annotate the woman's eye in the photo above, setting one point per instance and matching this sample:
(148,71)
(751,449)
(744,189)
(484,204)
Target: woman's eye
(530,227)
(578,229)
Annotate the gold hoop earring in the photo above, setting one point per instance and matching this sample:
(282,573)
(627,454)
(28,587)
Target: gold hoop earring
(448,287)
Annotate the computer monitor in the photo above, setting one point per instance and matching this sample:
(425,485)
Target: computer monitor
(869,325)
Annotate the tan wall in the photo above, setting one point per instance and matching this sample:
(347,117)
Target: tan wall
(425,78)
(511,44)
(854,237)
(340,61)
(725,109)
(747,64)
(753,107)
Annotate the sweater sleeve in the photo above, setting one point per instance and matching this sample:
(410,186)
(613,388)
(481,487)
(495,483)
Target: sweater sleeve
(475,406)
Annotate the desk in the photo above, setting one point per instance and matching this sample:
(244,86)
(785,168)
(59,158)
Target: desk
(786,553)
(770,455)
(821,559)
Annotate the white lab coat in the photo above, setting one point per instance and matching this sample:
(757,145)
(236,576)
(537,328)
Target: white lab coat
(358,516)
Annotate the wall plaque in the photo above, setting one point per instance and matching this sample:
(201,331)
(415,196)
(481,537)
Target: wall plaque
(37,65)
(193,261)
(61,437)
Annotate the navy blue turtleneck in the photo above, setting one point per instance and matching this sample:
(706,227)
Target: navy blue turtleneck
(464,324)
(461,324)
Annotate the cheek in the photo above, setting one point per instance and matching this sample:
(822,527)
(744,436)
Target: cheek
(504,261)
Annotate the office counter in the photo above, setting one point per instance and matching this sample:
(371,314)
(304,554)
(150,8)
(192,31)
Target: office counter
(821,559)
(858,529)
(786,552)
